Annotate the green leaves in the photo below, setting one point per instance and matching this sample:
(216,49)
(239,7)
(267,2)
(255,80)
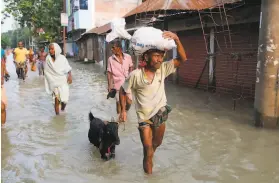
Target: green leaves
(5,40)
(37,14)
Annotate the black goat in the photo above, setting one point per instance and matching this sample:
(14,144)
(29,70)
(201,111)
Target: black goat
(104,135)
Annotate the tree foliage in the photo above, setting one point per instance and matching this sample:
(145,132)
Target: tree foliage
(37,14)
(5,40)
(12,37)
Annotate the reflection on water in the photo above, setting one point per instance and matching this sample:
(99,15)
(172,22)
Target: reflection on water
(205,140)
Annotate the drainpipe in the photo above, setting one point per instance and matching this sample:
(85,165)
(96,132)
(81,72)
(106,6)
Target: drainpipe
(266,92)
(211,58)
(175,75)
(105,55)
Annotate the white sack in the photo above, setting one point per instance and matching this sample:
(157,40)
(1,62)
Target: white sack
(145,38)
(118,30)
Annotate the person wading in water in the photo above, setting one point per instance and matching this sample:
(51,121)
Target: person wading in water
(3,90)
(119,66)
(32,61)
(42,58)
(58,76)
(20,56)
(148,87)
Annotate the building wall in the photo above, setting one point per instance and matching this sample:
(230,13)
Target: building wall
(80,18)
(82,53)
(99,12)
(106,10)
(69,47)
(190,72)
(235,64)
(83,19)
(89,47)
(75,48)
(93,47)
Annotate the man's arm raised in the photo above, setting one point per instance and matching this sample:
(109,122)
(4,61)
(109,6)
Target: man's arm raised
(180,49)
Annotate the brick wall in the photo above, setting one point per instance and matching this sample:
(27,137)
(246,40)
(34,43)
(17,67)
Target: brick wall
(236,65)
(189,72)
(235,68)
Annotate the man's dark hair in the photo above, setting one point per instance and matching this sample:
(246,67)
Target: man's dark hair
(42,47)
(117,43)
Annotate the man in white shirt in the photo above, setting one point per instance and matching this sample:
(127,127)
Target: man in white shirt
(148,88)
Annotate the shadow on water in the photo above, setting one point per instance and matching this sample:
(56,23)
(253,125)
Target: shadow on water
(205,140)
(5,148)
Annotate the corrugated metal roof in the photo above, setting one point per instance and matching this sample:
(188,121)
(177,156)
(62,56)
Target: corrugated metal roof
(99,30)
(155,5)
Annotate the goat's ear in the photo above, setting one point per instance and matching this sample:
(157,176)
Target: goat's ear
(91,117)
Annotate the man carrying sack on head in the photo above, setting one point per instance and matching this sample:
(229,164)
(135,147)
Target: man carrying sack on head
(147,86)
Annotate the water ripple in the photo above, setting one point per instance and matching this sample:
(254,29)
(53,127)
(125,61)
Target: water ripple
(204,142)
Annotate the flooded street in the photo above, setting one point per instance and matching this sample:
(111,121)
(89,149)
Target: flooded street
(205,140)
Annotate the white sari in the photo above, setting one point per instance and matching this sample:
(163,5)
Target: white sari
(56,73)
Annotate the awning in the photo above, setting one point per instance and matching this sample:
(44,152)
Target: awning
(99,30)
(156,5)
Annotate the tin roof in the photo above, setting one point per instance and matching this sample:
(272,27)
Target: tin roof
(155,5)
(99,30)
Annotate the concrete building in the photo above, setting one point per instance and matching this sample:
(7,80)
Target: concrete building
(91,43)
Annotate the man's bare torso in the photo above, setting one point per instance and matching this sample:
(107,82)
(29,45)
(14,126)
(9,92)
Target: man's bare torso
(42,56)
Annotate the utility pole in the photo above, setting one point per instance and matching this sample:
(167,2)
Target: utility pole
(64,29)
(267,94)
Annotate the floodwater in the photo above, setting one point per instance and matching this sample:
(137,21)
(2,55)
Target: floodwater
(205,140)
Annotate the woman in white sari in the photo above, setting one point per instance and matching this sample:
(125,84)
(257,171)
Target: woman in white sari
(57,77)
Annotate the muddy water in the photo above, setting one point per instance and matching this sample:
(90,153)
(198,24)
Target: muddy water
(205,140)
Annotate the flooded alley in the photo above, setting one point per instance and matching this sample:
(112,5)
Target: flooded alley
(205,140)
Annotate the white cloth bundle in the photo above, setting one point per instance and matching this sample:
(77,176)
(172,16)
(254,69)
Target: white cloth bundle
(145,38)
(118,30)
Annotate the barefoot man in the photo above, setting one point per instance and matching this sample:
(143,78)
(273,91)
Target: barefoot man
(57,77)
(42,58)
(148,87)
(119,66)
(20,56)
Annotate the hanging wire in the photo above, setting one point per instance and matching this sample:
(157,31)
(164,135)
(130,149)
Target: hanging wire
(225,13)
(204,36)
